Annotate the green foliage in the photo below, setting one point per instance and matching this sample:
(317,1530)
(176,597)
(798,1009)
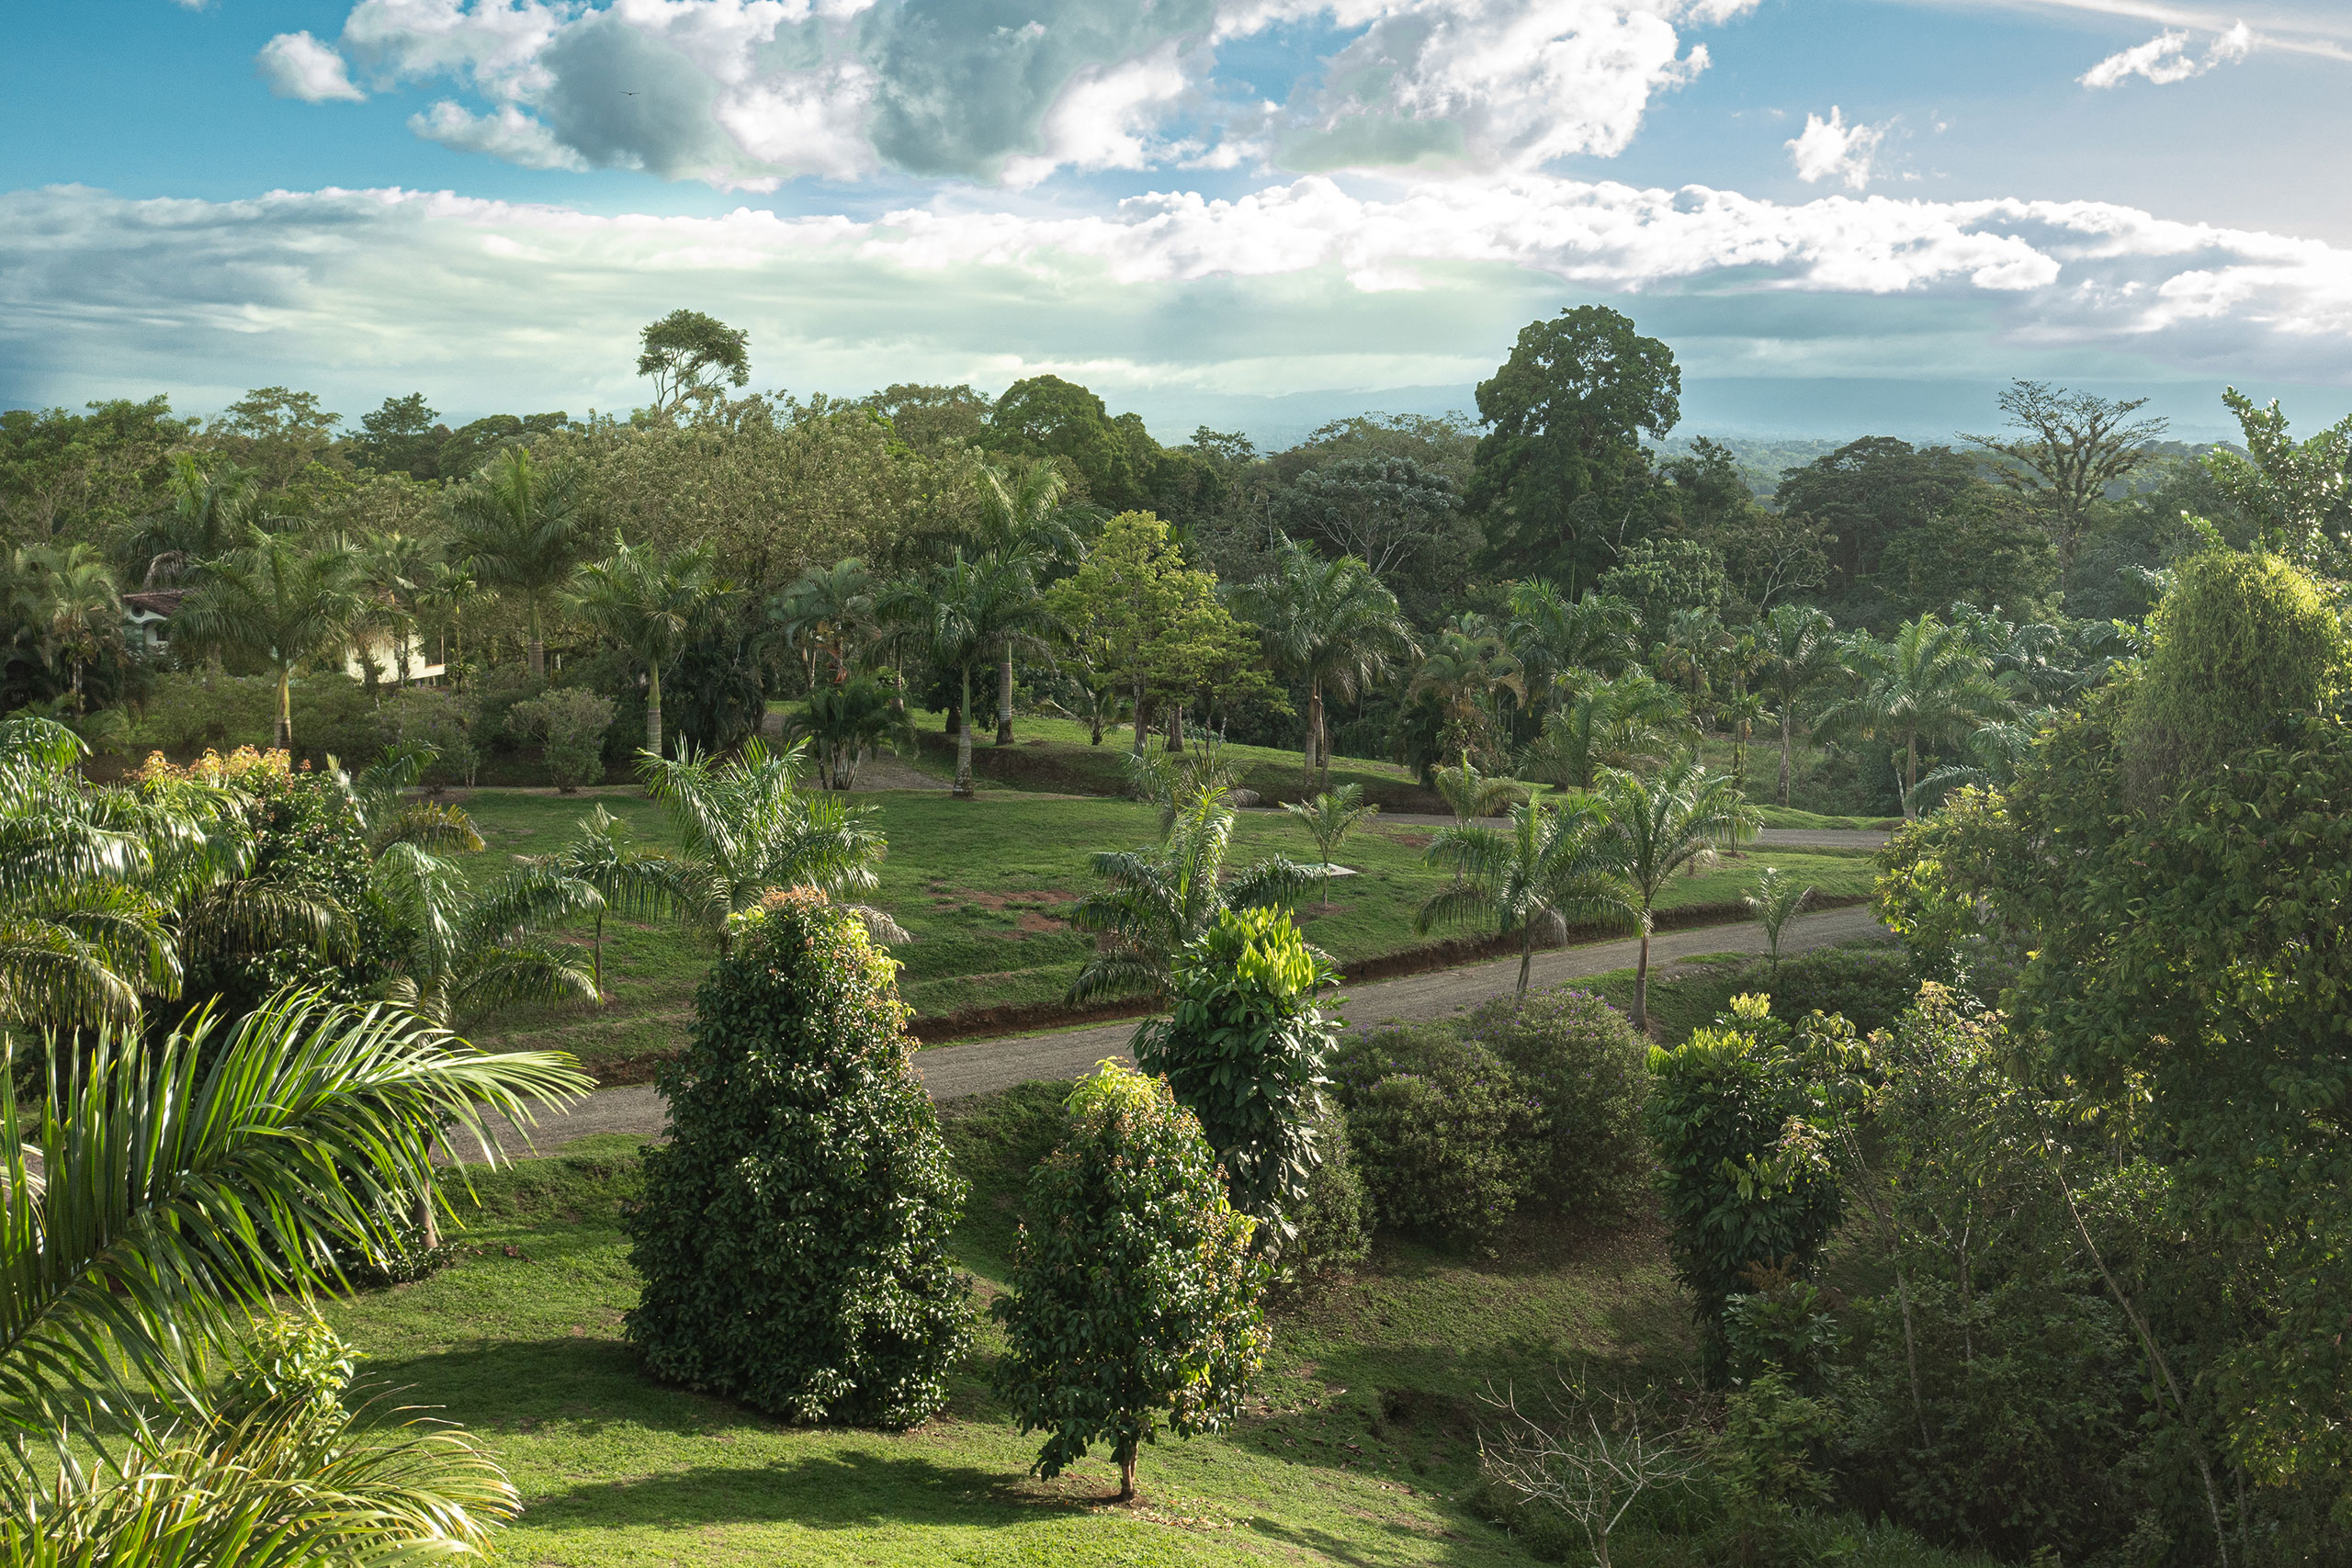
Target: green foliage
(1660,578)
(1440,1127)
(292,1362)
(1243,1050)
(1774,901)
(686,351)
(2241,645)
(1931,873)
(845,724)
(446,723)
(793,1234)
(1335,1218)
(1585,1068)
(1744,1118)
(1135,1295)
(570,723)
(1869,987)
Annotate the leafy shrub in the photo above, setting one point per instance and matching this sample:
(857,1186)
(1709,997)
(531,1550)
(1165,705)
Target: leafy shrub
(294,1365)
(1135,1295)
(1869,987)
(1335,1218)
(1744,1118)
(188,714)
(1440,1127)
(1243,1050)
(570,723)
(1584,1064)
(794,1230)
(445,720)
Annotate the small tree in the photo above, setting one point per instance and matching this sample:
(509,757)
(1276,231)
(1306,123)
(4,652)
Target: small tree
(1592,1460)
(1135,1297)
(1329,818)
(1775,901)
(570,723)
(793,1238)
(1244,1052)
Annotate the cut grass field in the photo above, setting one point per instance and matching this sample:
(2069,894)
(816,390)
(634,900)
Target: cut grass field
(983,886)
(1357,1447)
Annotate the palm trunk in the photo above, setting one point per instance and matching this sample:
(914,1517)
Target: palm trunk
(1910,778)
(652,707)
(1323,744)
(963,790)
(1004,701)
(429,1223)
(1642,981)
(1526,959)
(1788,722)
(596,957)
(1314,729)
(285,707)
(536,651)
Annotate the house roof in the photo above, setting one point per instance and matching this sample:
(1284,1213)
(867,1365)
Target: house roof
(154,601)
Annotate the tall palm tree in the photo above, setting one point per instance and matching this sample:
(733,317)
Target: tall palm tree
(1624,723)
(827,610)
(969,613)
(651,603)
(1161,898)
(1554,637)
(1553,867)
(1022,520)
(1798,645)
(274,601)
(630,882)
(1467,673)
(1659,826)
(164,1192)
(520,529)
(1927,686)
(1331,627)
(1694,637)
(744,829)
(67,592)
(213,511)
(393,570)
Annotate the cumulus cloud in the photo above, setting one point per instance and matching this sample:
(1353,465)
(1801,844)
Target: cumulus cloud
(1832,149)
(2170,57)
(297,66)
(1298,286)
(750,92)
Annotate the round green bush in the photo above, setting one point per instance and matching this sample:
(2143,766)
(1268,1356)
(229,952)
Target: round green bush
(1134,1293)
(1584,1064)
(793,1234)
(2241,644)
(1442,1129)
(1335,1219)
(1869,988)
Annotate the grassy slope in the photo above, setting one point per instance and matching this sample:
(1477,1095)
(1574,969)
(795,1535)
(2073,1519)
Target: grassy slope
(981,885)
(1363,1428)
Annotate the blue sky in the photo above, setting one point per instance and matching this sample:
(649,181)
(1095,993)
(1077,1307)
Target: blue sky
(1843,214)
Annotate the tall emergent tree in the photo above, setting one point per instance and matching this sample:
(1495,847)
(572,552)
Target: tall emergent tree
(2069,446)
(1135,1294)
(1333,627)
(651,603)
(277,601)
(1567,411)
(685,351)
(519,528)
(793,1236)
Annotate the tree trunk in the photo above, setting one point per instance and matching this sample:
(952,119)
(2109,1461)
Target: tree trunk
(1004,701)
(1139,715)
(429,1223)
(652,708)
(1788,722)
(1910,778)
(1128,1471)
(1323,744)
(963,790)
(597,957)
(1314,728)
(285,708)
(536,651)
(1175,728)
(1526,959)
(1642,981)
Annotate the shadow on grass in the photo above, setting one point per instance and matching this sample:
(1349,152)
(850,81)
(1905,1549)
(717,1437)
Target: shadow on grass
(845,1489)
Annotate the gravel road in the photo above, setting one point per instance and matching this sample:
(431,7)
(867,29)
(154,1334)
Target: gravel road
(978,1067)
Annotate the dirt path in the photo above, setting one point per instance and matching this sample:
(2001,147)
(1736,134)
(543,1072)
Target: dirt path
(979,1067)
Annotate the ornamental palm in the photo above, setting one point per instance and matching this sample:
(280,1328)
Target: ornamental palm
(1329,818)
(1162,899)
(649,603)
(1331,627)
(1554,637)
(969,613)
(68,593)
(1798,645)
(1774,901)
(1928,686)
(519,528)
(827,610)
(1466,673)
(848,724)
(744,829)
(1473,795)
(630,882)
(1550,868)
(277,601)
(470,952)
(213,511)
(1659,826)
(1024,521)
(1623,723)
(164,1192)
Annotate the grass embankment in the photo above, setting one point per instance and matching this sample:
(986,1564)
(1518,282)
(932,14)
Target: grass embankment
(983,885)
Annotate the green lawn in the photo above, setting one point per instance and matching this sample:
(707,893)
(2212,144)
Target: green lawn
(982,885)
(1359,1435)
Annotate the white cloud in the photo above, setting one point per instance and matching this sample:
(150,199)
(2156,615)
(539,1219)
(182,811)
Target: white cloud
(297,66)
(1830,149)
(2170,57)
(509,133)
